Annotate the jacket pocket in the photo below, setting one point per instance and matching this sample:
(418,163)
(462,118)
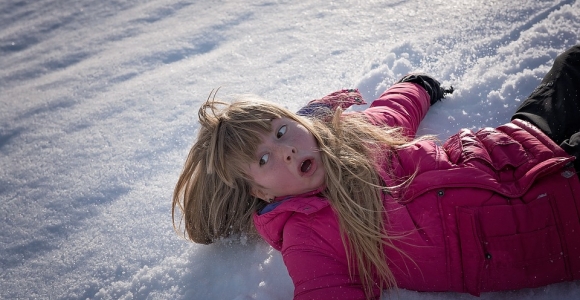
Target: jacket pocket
(510,246)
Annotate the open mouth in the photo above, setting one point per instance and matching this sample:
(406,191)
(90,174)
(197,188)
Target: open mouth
(306,165)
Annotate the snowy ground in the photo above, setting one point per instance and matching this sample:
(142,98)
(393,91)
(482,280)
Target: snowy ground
(98,103)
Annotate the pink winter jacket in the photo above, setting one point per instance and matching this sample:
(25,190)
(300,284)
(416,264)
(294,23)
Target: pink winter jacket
(490,210)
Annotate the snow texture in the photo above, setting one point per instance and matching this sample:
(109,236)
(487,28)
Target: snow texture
(98,108)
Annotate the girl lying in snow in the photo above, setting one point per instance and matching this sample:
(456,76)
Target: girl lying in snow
(357,204)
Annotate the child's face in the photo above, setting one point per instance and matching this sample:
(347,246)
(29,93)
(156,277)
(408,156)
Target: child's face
(287,162)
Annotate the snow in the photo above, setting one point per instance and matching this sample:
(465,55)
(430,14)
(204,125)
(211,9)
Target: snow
(98,108)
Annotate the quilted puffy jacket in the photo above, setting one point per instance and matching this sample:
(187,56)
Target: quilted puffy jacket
(491,210)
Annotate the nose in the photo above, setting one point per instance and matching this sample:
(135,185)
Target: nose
(287,152)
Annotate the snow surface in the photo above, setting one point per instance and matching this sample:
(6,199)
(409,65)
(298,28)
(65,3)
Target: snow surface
(98,108)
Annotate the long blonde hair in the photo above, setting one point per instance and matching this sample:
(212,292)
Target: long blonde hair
(214,196)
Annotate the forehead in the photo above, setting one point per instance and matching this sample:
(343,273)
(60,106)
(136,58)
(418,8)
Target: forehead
(285,120)
(280,121)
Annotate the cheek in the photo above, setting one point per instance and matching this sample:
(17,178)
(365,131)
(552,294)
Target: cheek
(278,173)
(253,174)
(305,138)
(322,176)
(266,176)
(310,137)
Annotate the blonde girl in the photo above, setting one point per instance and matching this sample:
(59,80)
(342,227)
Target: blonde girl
(356,204)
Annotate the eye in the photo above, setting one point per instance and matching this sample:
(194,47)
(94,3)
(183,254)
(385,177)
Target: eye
(281,131)
(264,159)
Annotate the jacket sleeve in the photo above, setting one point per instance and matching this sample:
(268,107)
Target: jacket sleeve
(317,275)
(315,258)
(403,105)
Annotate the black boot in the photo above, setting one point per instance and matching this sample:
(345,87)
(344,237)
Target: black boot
(554,106)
